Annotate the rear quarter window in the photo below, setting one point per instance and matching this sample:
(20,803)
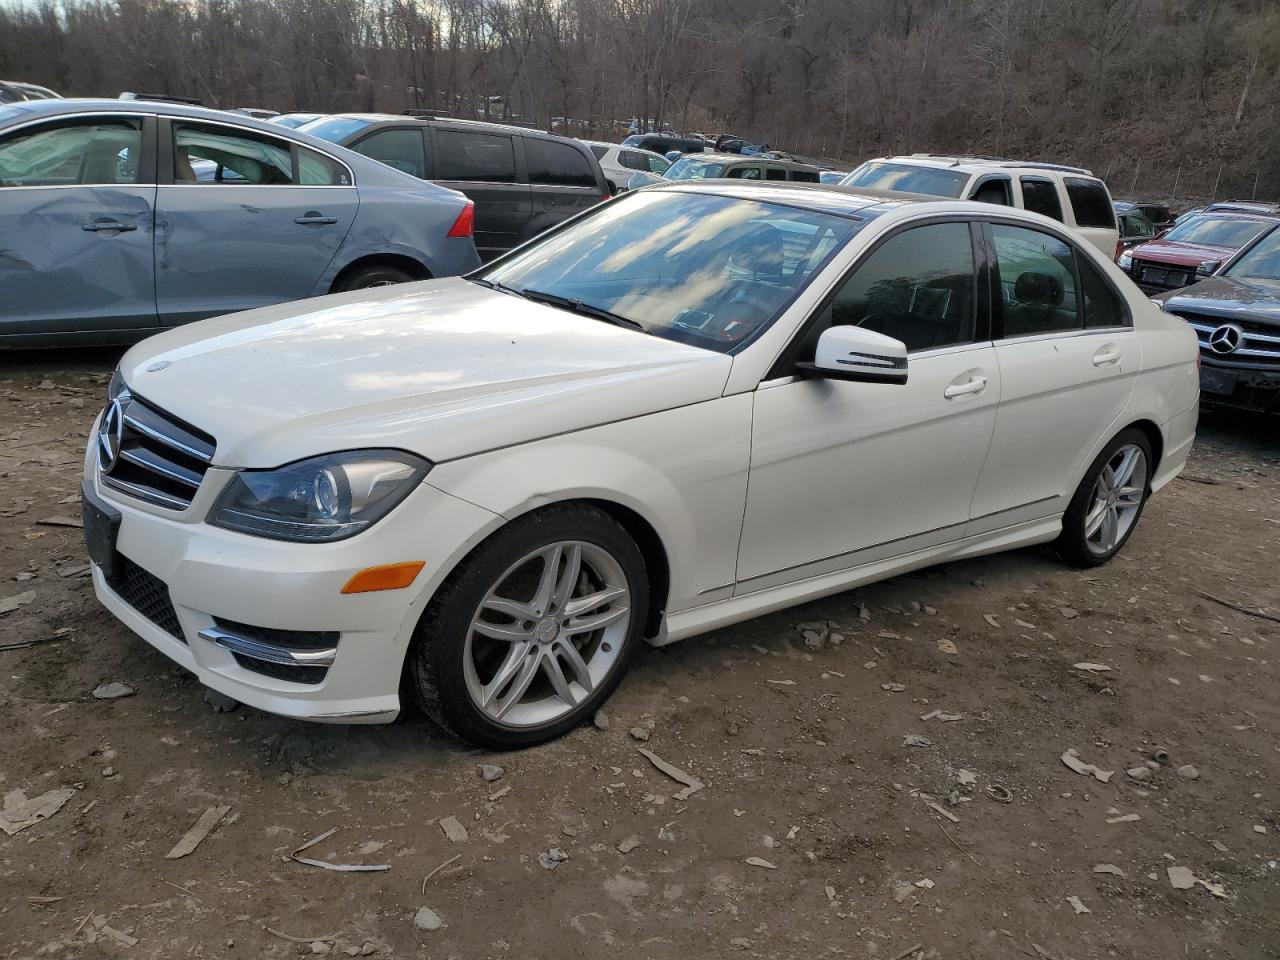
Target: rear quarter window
(1090,203)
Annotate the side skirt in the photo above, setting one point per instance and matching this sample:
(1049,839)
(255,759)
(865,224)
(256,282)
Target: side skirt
(722,613)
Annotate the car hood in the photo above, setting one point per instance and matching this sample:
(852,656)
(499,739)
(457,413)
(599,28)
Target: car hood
(443,368)
(1178,253)
(1228,298)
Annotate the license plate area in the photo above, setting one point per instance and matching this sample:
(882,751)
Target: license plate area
(1219,382)
(101,530)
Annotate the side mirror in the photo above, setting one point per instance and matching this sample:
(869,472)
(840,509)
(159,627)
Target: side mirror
(852,353)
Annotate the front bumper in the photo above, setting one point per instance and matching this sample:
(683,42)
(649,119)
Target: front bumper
(214,577)
(1239,387)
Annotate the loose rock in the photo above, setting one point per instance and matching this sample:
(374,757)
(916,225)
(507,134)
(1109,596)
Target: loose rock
(552,858)
(491,772)
(427,919)
(1188,772)
(1138,773)
(1180,878)
(600,721)
(627,845)
(112,691)
(639,733)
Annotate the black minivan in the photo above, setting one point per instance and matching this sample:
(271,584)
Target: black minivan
(522,181)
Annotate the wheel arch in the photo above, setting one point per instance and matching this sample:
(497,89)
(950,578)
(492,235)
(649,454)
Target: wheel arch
(1154,437)
(415,268)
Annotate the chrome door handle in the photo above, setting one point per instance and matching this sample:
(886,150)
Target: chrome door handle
(312,216)
(973,385)
(102,224)
(1105,355)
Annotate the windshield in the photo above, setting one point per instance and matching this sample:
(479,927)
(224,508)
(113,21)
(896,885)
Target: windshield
(1260,263)
(935,181)
(334,129)
(691,169)
(697,268)
(1215,231)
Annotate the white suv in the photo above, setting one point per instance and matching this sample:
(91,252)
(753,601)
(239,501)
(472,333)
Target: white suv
(621,163)
(1070,195)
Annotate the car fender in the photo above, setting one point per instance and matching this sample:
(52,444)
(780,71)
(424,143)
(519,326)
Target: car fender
(359,244)
(683,471)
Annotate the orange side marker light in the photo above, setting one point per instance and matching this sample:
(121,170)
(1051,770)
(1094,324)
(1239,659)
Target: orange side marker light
(388,576)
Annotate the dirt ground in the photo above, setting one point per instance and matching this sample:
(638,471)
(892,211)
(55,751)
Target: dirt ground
(867,847)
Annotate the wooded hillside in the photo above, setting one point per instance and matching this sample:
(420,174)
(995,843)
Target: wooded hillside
(1150,93)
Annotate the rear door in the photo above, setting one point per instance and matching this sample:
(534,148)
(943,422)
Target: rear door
(486,168)
(562,182)
(1092,213)
(1068,356)
(77,217)
(243,219)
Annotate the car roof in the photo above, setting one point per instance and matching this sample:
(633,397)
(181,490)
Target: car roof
(35,109)
(480,126)
(821,197)
(972,164)
(1231,213)
(739,158)
(619,146)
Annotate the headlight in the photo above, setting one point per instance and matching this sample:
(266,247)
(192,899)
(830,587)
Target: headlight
(1125,262)
(321,499)
(116,386)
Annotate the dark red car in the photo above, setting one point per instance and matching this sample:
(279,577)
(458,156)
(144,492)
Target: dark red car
(1194,249)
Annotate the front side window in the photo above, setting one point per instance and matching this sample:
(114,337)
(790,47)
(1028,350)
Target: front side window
(1136,225)
(1041,196)
(935,181)
(97,151)
(402,149)
(481,157)
(697,268)
(1037,281)
(222,155)
(559,164)
(775,173)
(806,176)
(1090,203)
(744,173)
(994,190)
(917,287)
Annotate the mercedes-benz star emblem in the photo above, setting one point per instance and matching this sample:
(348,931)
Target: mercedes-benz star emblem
(1226,339)
(110,435)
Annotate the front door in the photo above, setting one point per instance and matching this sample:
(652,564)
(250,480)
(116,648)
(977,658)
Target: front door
(247,220)
(847,473)
(77,213)
(483,166)
(1068,356)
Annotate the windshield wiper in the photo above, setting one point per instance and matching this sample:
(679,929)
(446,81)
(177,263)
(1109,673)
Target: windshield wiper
(494,285)
(578,306)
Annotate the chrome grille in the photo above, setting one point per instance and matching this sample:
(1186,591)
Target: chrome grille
(149,454)
(1259,343)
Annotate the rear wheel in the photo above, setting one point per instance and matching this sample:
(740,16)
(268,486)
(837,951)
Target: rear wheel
(534,631)
(1108,503)
(374,275)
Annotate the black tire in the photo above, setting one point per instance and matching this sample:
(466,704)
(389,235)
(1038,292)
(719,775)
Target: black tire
(434,668)
(374,275)
(1072,545)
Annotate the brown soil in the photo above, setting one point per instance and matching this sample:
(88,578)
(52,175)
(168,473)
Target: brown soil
(808,772)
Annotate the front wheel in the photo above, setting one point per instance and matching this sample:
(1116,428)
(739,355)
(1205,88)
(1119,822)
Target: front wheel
(533,632)
(1105,509)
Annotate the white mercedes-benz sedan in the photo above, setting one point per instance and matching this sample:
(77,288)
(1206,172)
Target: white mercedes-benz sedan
(687,407)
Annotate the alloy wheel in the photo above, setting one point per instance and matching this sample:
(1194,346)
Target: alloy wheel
(547,634)
(1117,497)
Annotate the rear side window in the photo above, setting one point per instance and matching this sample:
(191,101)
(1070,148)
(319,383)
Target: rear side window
(402,149)
(634,160)
(1102,307)
(1041,196)
(557,163)
(481,157)
(215,154)
(1090,203)
(805,176)
(775,173)
(97,151)
(1037,282)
